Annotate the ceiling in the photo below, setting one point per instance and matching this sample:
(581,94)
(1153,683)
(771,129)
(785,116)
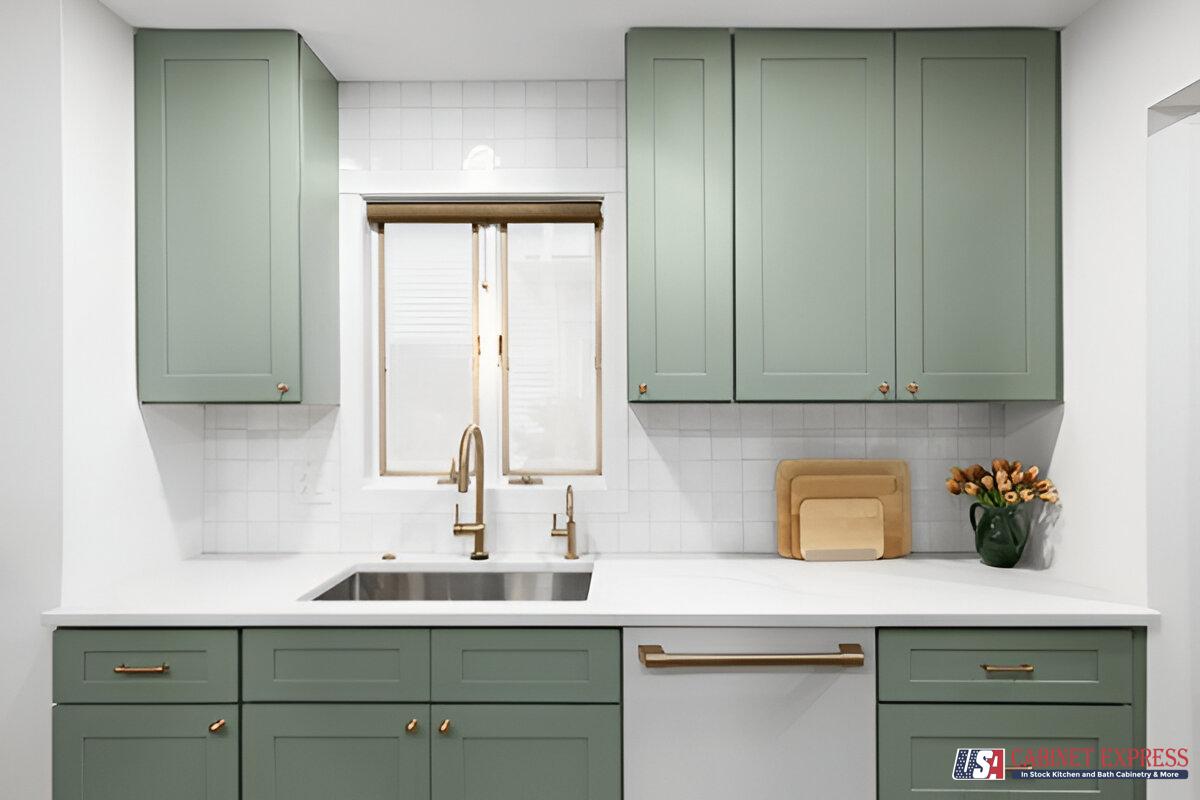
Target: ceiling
(539,39)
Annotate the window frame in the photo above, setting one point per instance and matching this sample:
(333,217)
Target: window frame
(488,215)
(597,361)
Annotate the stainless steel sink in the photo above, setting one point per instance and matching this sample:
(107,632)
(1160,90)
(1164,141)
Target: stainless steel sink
(460,586)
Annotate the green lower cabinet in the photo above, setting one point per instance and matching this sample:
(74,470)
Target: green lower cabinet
(145,752)
(918,743)
(526,752)
(322,751)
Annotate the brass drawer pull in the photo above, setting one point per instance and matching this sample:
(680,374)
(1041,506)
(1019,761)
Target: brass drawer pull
(216,726)
(1006,667)
(121,669)
(411,727)
(444,728)
(653,656)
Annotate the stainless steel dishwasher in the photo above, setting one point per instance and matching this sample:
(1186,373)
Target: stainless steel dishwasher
(720,713)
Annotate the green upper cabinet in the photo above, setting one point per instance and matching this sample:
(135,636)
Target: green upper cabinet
(977,247)
(679,108)
(236,209)
(814,228)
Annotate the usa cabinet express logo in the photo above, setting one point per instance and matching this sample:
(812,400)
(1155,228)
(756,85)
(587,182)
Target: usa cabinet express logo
(1070,763)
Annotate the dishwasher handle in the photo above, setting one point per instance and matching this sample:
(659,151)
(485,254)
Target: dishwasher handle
(653,656)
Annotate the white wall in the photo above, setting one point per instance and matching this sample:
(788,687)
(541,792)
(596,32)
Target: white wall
(1174,425)
(1119,59)
(31,389)
(131,474)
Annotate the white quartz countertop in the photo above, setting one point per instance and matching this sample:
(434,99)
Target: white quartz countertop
(743,591)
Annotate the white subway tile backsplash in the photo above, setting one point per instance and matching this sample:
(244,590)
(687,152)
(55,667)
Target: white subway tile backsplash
(446,94)
(447,123)
(601,153)
(415,94)
(602,94)
(447,154)
(385,94)
(416,154)
(541,153)
(478,123)
(478,94)
(510,153)
(354,123)
(509,94)
(541,123)
(541,94)
(385,123)
(354,154)
(601,123)
(571,153)
(571,94)
(353,94)
(510,123)
(571,123)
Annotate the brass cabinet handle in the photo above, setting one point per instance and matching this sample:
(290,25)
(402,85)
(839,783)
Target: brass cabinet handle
(411,727)
(159,669)
(216,726)
(912,387)
(282,388)
(653,656)
(1006,667)
(884,387)
(444,728)
(643,388)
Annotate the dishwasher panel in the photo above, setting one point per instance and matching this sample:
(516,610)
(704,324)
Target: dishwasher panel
(721,728)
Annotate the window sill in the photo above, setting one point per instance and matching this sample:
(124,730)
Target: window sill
(422,494)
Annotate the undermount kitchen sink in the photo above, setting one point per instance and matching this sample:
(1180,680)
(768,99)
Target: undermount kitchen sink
(543,585)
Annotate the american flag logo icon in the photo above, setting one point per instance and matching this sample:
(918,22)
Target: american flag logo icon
(978,764)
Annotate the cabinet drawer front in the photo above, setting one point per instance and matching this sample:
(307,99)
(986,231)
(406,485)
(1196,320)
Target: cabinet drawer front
(516,752)
(1068,666)
(145,666)
(121,752)
(318,664)
(302,751)
(918,744)
(554,666)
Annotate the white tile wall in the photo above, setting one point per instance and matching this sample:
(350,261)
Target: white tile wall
(701,478)
(453,125)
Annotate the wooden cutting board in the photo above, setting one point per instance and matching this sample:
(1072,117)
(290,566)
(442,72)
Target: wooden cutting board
(845,524)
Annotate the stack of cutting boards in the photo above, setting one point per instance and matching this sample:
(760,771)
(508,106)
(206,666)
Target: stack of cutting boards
(843,509)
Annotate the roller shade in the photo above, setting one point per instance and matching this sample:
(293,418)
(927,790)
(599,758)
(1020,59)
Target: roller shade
(484,213)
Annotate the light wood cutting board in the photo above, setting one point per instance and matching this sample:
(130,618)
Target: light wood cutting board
(843,530)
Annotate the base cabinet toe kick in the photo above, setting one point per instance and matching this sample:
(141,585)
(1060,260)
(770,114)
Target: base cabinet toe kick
(586,713)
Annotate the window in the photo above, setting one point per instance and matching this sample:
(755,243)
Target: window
(490,313)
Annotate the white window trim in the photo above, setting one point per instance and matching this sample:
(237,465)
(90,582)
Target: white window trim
(363,490)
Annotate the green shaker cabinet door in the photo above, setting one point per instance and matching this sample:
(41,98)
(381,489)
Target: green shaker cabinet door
(680,214)
(218,188)
(814,215)
(918,744)
(520,752)
(977,248)
(320,752)
(145,752)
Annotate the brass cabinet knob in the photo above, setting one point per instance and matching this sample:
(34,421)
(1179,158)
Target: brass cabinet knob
(282,388)
(642,388)
(912,387)
(884,387)
(216,726)
(444,728)
(411,727)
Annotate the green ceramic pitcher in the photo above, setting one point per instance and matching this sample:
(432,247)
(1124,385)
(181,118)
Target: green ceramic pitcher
(1000,533)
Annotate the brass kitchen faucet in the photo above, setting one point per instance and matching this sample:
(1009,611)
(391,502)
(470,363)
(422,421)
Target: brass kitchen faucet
(569,531)
(476,528)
